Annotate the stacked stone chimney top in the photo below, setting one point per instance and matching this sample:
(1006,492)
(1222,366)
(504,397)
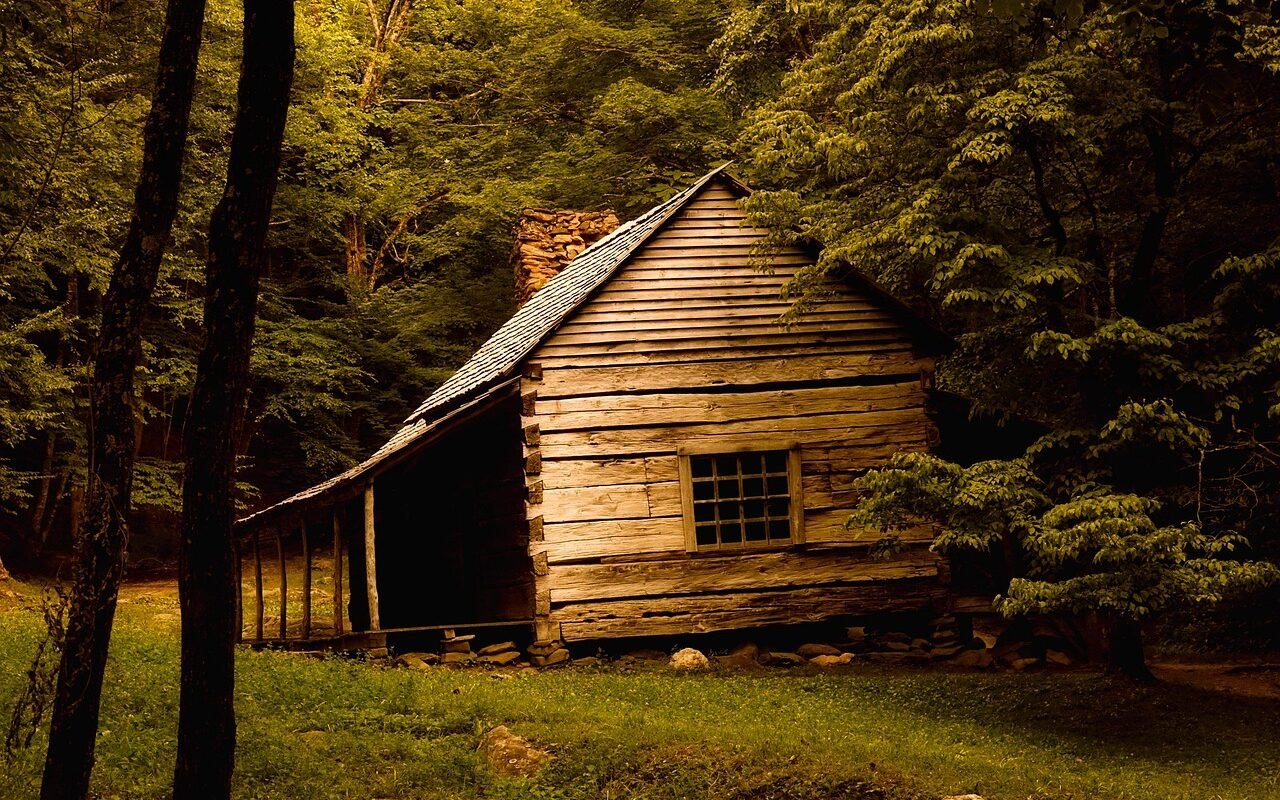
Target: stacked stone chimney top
(546,241)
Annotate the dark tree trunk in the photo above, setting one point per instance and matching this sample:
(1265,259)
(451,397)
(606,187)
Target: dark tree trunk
(100,547)
(1125,655)
(215,417)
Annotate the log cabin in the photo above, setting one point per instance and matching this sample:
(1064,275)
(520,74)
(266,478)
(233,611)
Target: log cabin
(645,448)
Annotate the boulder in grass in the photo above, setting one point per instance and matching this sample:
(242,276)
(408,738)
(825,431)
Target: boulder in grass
(457,658)
(813,649)
(962,797)
(510,755)
(844,659)
(689,659)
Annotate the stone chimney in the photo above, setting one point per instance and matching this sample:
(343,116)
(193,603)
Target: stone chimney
(546,241)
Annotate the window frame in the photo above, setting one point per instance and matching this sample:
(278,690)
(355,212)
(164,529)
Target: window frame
(795,492)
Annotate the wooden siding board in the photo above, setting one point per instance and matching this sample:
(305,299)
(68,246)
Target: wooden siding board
(736,610)
(749,570)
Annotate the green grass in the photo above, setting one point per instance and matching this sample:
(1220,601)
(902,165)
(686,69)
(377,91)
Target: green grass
(335,728)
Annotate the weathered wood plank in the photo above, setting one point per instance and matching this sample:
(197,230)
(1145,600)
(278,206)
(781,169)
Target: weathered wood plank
(826,527)
(870,426)
(873,343)
(718,612)
(284,585)
(599,412)
(567,474)
(711,311)
(600,339)
(570,541)
(578,582)
(564,381)
(628,501)
(755,291)
(260,609)
(306,580)
(339,602)
(370,559)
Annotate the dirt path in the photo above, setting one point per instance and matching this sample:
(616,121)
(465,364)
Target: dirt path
(1247,678)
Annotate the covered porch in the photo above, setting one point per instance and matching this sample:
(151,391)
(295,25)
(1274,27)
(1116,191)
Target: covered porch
(427,535)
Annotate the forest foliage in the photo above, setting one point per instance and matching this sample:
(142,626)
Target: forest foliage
(427,144)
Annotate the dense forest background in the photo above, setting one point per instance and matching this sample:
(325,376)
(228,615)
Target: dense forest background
(417,133)
(1086,196)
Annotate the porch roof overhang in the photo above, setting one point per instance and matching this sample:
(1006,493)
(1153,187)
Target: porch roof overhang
(409,441)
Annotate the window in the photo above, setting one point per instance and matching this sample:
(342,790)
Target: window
(741,499)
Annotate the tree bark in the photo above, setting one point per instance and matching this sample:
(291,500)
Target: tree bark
(101,546)
(237,252)
(1125,653)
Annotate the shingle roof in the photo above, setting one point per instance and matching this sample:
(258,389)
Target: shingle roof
(553,303)
(495,364)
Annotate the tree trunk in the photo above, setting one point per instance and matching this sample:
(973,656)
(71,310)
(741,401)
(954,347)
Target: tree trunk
(100,549)
(237,250)
(1125,655)
(389,26)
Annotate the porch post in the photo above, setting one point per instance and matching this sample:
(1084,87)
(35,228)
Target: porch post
(370,560)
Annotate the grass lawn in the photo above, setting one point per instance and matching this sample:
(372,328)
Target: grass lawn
(337,728)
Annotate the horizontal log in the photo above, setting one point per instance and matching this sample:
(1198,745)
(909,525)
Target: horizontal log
(691,224)
(865,427)
(868,343)
(599,339)
(656,292)
(564,381)
(571,583)
(827,527)
(576,541)
(718,612)
(567,474)
(600,412)
(630,501)
(711,310)
(766,320)
(672,259)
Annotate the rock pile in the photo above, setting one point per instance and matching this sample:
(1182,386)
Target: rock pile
(456,649)
(546,241)
(500,655)
(548,653)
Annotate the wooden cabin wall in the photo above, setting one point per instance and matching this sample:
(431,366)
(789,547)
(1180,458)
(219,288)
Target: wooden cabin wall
(452,544)
(681,346)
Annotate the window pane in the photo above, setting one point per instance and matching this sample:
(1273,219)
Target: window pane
(740,499)
(730,532)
